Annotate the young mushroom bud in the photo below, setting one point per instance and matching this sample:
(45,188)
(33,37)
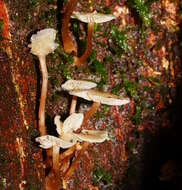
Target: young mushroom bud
(41,45)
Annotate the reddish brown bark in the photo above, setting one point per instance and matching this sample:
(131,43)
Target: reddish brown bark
(20,164)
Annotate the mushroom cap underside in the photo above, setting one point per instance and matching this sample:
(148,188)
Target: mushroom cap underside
(100,97)
(93,17)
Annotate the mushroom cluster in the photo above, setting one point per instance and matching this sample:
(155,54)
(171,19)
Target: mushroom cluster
(68,130)
(71,132)
(84,89)
(67,136)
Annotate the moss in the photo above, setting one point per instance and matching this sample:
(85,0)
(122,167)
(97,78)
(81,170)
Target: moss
(154,80)
(97,27)
(2,183)
(55,97)
(136,118)
(130,87)
(130,146)
(34,133)
(65,71)
(142,9)
(107,10)
(119,38)
(1,27)
(50,1)
(101,175)
(66,58)
(31,188)
(102,113)
(98,68)
(116,89)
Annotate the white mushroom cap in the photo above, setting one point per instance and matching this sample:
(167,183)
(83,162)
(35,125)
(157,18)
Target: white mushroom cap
(67,137)
(93,136)
(59,124)
(93,17)
(43,43)
(100,97)
(73,122)
(78,85)
(49,141)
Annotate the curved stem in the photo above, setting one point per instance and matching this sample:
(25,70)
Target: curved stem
(80,60)
(90,112)
(67,39)
(73,104)
(43,67)
(74,164)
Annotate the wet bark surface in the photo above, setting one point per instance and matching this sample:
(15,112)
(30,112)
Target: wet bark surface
(141,61)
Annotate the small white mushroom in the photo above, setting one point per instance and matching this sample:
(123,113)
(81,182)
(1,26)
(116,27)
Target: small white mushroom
(93,17)
(72,123)
(68,138)
(48,141)
(77,85)
(98,98)
(41,45)
(89,18)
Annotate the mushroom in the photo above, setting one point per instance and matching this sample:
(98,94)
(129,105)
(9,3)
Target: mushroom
(41,45)
(98,98)
(67,136)
(77,85)
(89,18)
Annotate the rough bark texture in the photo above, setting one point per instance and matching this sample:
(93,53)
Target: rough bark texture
(143,63)
(20,166)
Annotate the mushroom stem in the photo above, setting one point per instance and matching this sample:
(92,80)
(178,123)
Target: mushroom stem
(55,158)
(67,153)
(70,151)
(73,104)
(74,164)
(80,60)
(68,43)
(43,67)
(90,112)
